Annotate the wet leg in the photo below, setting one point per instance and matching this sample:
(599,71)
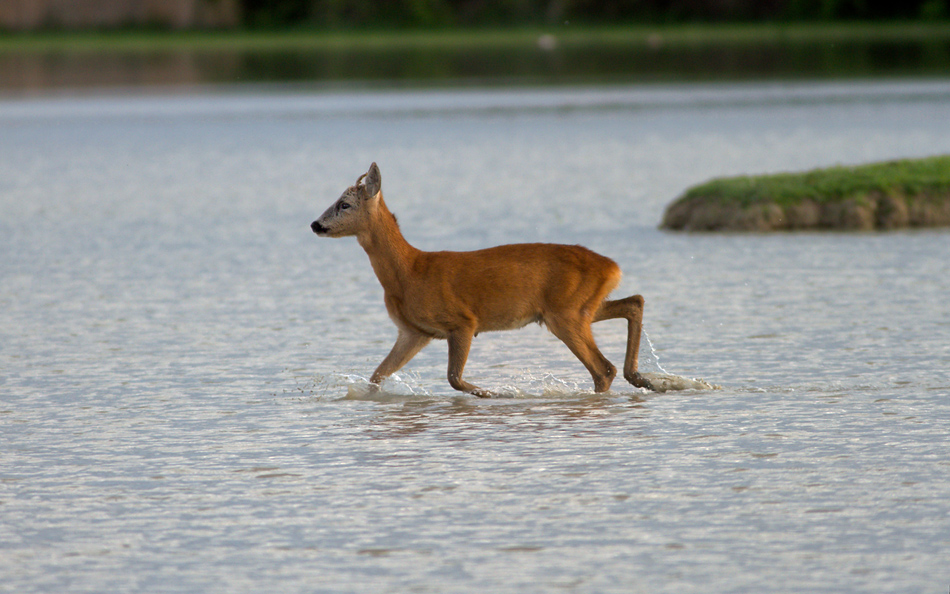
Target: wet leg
(460,342)
(631,309)
(408,344)
(576,334)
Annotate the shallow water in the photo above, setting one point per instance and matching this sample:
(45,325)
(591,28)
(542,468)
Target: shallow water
(183,362)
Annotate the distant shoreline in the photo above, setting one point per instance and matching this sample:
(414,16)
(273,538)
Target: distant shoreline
(653,36)
(880,196)
(54,61)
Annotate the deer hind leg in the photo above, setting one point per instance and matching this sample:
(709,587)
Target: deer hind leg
(460,342)
(631,309)
(575,332)
(408,344)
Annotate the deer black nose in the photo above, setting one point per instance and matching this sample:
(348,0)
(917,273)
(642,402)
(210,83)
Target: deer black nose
(317,227)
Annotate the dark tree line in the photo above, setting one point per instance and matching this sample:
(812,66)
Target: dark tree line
(423,13)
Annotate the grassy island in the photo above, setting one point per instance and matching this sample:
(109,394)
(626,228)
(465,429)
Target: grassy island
(890,195)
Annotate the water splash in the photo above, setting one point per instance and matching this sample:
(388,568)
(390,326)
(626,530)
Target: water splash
(668,382)
(655,359)
(664,381)
(396,388)
(548,385)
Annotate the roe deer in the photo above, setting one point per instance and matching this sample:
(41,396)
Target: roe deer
(456,295)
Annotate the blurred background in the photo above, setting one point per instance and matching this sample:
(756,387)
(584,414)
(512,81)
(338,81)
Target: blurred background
(57,44)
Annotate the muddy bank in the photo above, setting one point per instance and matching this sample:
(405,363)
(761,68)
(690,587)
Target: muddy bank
(890,195)
(855,214)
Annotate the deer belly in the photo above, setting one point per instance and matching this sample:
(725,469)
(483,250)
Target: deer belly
(507,323)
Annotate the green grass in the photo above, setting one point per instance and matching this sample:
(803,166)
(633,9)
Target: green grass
(909,177)
(668,35)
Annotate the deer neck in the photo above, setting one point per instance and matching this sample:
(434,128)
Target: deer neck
(389,253)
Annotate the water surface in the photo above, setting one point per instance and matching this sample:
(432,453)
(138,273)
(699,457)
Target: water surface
(179,354)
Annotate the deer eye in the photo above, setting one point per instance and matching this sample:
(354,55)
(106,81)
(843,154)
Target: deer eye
(344,206)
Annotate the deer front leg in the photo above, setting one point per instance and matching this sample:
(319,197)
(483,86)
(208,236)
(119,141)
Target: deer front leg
(408,344)
(460,342)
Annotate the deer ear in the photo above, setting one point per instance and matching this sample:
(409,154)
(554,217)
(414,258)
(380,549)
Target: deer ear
(373,181)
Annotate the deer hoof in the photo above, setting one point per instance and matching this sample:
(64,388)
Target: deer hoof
(639,381)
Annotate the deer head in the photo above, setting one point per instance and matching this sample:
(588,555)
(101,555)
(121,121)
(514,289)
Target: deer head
(354,210)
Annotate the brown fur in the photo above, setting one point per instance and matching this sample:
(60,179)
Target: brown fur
(456,295)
